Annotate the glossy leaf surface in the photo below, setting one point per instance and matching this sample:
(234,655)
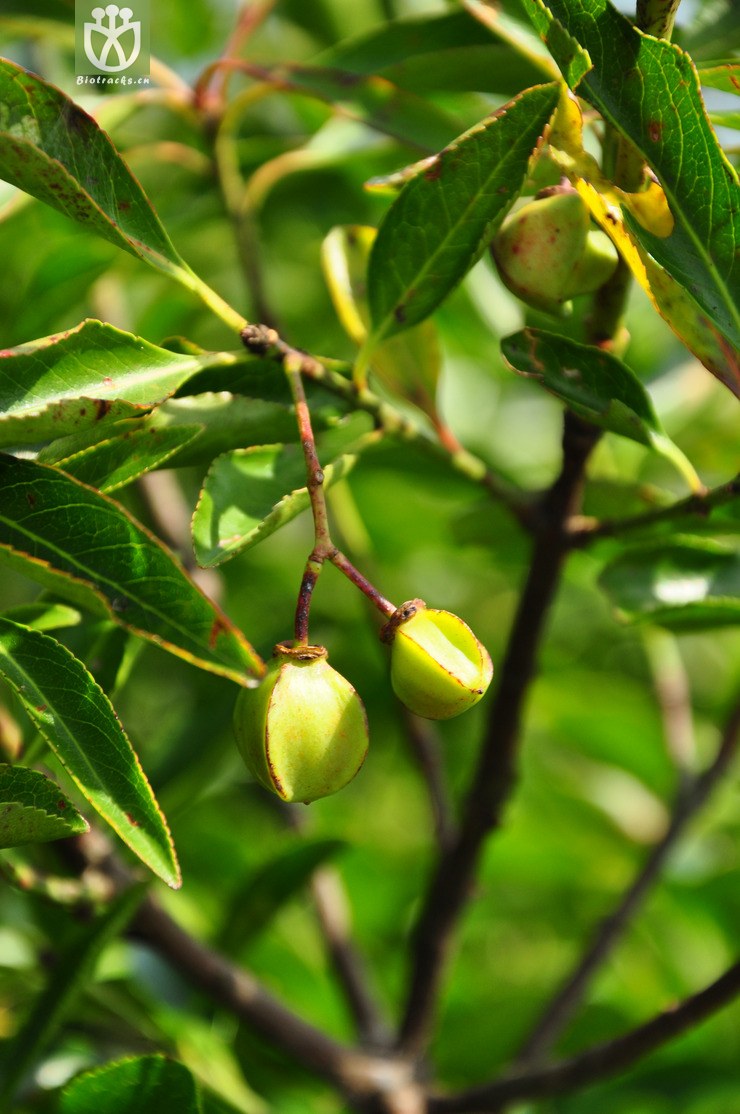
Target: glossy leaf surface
(649,89)
(75,716)
(52,149)
(90,375)
(441,221)
(33,809)
(596,386)
(90,549)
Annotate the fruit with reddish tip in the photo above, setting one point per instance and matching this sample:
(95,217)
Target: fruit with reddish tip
(438,667)
(547,254)
(303,730)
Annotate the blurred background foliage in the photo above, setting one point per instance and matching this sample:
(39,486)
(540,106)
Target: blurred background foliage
(597,775)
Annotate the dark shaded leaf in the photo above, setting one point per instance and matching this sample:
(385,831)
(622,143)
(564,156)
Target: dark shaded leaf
(271,887)
(69,977)
(596,386)
(145,1085)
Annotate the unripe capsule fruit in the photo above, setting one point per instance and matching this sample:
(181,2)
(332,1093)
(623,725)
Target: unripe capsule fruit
(303,731)
(546,254)
(438,667)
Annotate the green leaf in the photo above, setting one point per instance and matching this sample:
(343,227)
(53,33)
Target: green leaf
(445,52)
(226,422)
(52,149)
(44,615)
(118,460)
(68,978)
(595,385)
(443,218)
(145,1085)
(270,887)
(73,713)
(685,584)
(251,493)
(721,75)
(90,550)
(649,89)
(33,809)
(87,376)
(374,100)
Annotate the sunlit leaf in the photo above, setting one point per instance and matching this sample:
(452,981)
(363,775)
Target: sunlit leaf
(90,375)
(442,220)
(90,550)
(655,101)
(52,149)
(33,809)
(130,450)
(250,493)
(73,713)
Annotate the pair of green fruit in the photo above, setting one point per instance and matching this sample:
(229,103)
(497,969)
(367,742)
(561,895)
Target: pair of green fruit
(547,252)
(303,731)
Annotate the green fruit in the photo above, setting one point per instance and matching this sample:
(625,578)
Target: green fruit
(438,667)
(546,254)
(303,731)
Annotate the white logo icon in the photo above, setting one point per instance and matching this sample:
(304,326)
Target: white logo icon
(112,32)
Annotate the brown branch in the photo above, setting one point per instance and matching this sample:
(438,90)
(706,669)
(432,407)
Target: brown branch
(583,533)
(690,799)
(495,774)
(266,342)
(597,1063)
(353,1071)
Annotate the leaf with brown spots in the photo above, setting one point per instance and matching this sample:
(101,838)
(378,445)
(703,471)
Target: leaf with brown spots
(649,90)
(91,551)
(33,809)
(52,149)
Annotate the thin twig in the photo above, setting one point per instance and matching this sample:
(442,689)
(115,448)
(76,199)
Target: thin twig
(238,990)
(333,914)
(425,746)
(599,1063)
(332,910)
(691,798)
(495,773)
(582,533)
(266,342)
